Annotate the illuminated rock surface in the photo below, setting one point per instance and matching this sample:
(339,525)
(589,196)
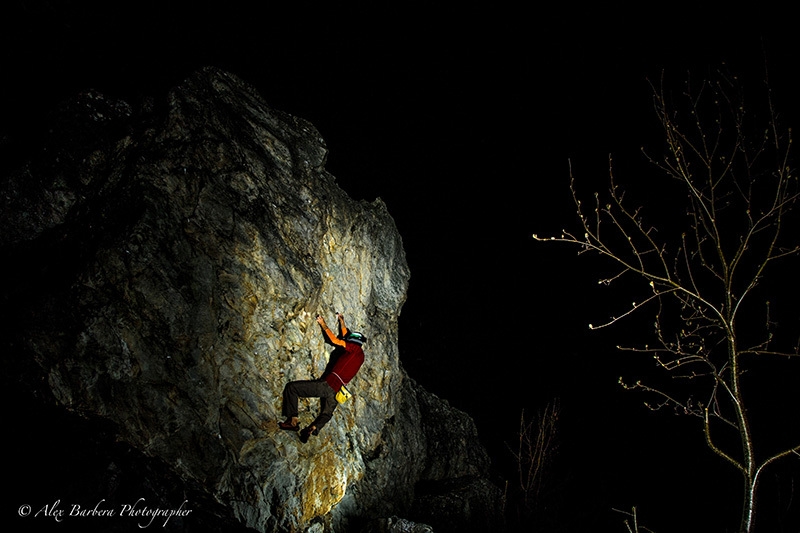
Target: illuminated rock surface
(168,261)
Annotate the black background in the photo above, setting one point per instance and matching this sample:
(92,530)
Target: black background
(463,119)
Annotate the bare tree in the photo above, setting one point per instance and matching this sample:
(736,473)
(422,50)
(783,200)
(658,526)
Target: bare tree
(534,456)
(632,524)
(712,276)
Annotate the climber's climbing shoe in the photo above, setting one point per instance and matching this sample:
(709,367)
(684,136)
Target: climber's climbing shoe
(305,434)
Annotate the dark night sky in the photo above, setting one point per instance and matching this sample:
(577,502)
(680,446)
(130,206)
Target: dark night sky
(462,119)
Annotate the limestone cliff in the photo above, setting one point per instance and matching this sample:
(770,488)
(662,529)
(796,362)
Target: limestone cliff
(167,263)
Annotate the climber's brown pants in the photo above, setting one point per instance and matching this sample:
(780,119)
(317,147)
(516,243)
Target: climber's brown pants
(294,390)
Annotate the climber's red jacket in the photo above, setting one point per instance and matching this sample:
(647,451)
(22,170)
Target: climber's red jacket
(348,362)
(346,366)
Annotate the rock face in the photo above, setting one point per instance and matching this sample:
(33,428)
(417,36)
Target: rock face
(167,265)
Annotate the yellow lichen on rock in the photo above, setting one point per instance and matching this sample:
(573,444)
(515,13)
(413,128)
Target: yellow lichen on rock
(324,487)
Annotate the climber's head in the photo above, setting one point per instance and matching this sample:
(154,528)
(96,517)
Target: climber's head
(354,336)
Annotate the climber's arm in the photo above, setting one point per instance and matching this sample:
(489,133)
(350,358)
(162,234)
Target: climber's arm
(328,333)
(342,328)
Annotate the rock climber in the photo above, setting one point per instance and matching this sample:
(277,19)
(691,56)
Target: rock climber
(344,362)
